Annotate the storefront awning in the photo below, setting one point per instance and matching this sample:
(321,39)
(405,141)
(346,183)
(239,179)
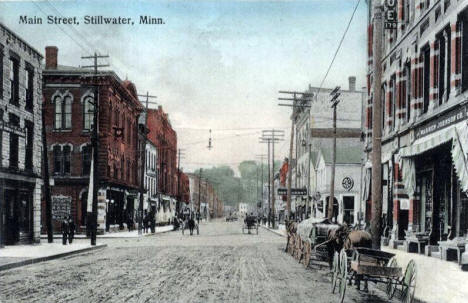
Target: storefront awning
(458,134)
(429,142)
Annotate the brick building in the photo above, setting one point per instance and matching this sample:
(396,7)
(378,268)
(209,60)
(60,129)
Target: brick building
(20,140)
(164,137)
(424,129)
(184,189)
(68,109)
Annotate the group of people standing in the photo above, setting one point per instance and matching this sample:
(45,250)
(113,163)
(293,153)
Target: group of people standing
(68,230)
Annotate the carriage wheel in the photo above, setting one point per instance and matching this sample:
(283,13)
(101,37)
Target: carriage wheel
(291,244)
(307,254)
(343,274)
(335,271)
(408,285)
(298,247)
(391,286)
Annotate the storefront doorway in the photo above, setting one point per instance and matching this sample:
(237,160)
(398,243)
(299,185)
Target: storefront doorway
(18,223)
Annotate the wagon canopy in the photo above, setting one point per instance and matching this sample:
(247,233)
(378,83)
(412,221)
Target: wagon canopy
(304,228)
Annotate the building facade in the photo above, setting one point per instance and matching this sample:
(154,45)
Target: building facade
(20,140)
(151,177)
(69,109)
(313,148)
(424,126)
(164,137)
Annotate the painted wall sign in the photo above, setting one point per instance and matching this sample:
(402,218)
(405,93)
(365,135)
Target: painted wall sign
(294,191)
(452,117)
(390,13)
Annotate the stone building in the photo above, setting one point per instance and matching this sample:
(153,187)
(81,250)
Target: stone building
(424,139)
(20,140)
(68,109)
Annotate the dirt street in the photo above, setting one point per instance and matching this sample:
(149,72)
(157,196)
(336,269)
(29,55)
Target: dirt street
(219,265)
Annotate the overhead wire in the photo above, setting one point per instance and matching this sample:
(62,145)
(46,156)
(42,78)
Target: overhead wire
(339,46)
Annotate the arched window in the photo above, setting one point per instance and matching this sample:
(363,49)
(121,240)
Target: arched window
(88,112)
(63,112)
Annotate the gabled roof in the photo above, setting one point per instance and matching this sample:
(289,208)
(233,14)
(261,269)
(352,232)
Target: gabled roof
(344,155)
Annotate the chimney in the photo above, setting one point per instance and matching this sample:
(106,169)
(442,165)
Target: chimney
(352,83)
(51,57)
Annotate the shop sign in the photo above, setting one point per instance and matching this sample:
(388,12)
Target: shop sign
(61,207)
(441,122)
(348,183)
(404,204)
(294,191)
(10,128)
(390,13)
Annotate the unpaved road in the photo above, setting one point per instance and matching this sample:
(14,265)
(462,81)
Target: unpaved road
(219,265)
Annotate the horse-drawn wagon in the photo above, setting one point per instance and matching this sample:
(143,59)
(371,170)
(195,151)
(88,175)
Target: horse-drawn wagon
(250,222)
(308,238)
(364,264)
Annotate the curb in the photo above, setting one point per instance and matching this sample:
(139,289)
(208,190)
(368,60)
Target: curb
(58,236)
(273,231)
(52,257)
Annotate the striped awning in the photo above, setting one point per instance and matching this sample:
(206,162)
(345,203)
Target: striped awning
(458,134)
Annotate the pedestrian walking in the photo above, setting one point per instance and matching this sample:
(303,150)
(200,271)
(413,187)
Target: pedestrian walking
(152,222)
(71,229)
(65,230)
(145,222)
(129,221)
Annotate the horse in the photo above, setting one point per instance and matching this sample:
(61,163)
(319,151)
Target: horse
(344,237)
(191,225)
(291,228)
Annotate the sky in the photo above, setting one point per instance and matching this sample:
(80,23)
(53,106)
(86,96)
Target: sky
(213,64)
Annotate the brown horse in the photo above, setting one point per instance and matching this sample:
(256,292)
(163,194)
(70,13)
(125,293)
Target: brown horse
(291,228)
(344,237)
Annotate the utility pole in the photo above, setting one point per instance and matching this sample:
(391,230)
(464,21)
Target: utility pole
(261,157)
(143,163)
(376,194)
(309,135)
(178,180)
(95,142)
(48,202)
(199,189)
(297,104)
(273,136)
(267,141)
(335,94)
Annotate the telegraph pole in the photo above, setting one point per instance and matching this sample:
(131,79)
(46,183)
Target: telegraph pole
(261,157)
(273,136)
(95,142)
(376,195)
(178,180)
(298,103)
(268,141)
(48,202)
(199,185)
(335,94)
(143,163)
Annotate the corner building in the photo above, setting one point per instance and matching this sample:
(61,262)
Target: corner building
(425,133)
(20,140)
(68,104)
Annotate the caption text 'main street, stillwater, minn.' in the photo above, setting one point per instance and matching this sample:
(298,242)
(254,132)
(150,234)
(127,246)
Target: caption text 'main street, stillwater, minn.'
(91,20)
